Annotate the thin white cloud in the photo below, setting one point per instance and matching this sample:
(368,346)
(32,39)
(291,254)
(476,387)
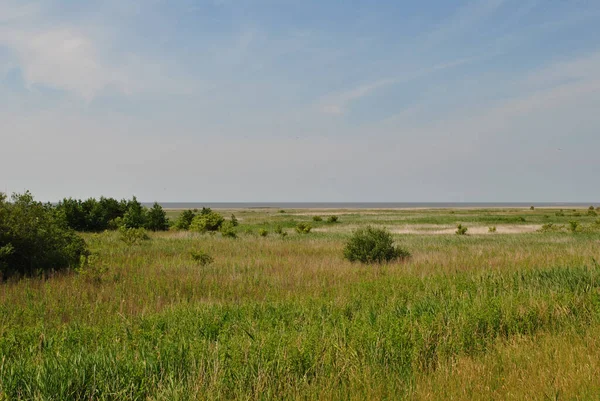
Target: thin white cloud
(336,104)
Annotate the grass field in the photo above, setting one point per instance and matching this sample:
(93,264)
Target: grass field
(508,315)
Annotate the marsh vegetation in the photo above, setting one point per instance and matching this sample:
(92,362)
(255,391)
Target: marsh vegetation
(193,314)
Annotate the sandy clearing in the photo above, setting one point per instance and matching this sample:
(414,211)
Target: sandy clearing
(434,229)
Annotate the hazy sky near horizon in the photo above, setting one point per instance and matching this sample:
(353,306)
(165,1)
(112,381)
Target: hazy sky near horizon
(301,100)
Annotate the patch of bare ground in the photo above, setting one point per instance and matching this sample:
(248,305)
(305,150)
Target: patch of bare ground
(433,229)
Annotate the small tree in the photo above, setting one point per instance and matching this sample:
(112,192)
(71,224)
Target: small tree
(317,219)
(373,245)
(332,219)
(156,219)
(135,217)
(234,221)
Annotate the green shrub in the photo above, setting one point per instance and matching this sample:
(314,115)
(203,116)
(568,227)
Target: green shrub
(234,220)
(282,211)
(228,230)
(560,213)
(492,229)
(460,230)
(591,208)
(279,230)
(303,228)
(317,218)
(573,226)
(332,219)
(35,238)
(592,213)
(521,219)
(207,222)
(203,258)
(133,236)
(373,245)
(185,219)
(262,232)
(156,219)
(532,208)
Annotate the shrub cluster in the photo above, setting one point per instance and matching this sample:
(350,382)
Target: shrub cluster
(94,215)
(373,245)
(206,220)
(35,238)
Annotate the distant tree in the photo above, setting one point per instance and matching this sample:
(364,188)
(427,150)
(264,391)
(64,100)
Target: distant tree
(135,217)
(156,219)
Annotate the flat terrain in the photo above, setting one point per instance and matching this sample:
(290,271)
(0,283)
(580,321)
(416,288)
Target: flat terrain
(510,314)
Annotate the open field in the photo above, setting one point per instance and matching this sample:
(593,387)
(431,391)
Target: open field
(513,314)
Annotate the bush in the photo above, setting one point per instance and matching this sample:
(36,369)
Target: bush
(591,208)
(317,218)
(228,230)
(133,236)
(532,208)
(332,219)
(35,238)
(560,213)
(373,245)
(573,226)
(492,229)
(460,230)
(207,220)
(303,228)
(262,232)
(156,219)
(203,258)
(185,219)
(592,213)
(279,230)
(234,220)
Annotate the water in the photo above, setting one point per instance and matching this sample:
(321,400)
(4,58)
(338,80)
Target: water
(366,205)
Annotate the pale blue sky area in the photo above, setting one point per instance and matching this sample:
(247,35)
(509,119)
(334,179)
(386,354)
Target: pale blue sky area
(301,100)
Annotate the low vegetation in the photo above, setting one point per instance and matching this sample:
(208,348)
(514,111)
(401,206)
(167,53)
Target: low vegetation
(35,238)
(373,245)
(190,316)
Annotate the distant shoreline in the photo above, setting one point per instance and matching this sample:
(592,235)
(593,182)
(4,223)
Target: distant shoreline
(370,205)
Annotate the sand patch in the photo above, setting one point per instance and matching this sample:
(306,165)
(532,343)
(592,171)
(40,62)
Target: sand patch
(436,229)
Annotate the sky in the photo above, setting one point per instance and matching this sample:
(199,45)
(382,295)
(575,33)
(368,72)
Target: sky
(301,100)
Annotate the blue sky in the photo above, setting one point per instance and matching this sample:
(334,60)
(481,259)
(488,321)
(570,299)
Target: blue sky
(288,100)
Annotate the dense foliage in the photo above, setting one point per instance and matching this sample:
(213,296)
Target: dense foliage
(35,238)
(206,221)
(373,245)
(93,215)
